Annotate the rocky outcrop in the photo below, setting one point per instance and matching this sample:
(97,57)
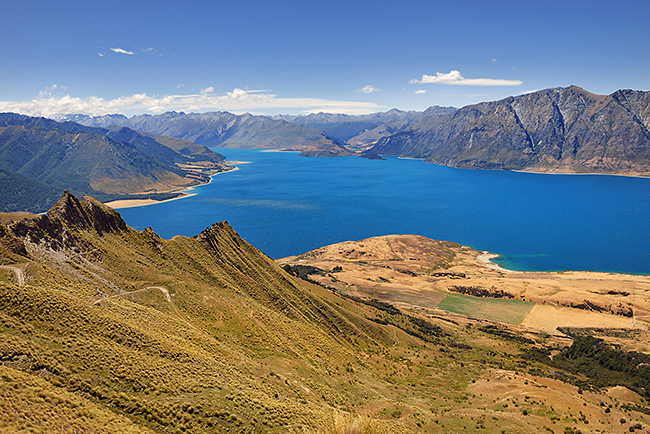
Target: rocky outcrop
(60,226)
(564,130)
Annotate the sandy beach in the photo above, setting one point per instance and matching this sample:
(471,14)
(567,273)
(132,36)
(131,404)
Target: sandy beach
(184,193)
(130,203)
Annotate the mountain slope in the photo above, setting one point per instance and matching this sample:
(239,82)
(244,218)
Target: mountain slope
(565,130)
(226,130)
(98,161)
(20,192)
(108,329)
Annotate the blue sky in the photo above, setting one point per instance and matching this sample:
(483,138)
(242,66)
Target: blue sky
(270,57)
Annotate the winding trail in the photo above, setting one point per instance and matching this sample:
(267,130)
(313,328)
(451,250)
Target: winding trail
(18,272)
(165,292)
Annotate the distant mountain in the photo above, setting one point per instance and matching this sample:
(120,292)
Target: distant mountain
(564,130)
(104,162)
(227,130)
(362,131)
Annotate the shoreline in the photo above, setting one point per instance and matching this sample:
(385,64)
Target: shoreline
(279,150)
(485,258)
(579,173)
(133,203)
(531,171)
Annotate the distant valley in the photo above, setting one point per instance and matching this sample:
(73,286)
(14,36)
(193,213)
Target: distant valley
(361,132)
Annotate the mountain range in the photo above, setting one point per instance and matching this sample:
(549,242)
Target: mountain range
(360,132)
(227,130)
(563,130)
(42,155)
(559,130)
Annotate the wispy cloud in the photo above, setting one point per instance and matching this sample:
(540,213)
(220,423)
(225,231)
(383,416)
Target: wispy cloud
(420,91)
(368,89)
(207,90)
(238,101)
(100,54)
(122,51)
(151,51)
(49,91)
(455,78)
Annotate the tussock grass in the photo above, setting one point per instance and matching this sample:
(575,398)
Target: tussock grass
(340,423)
(240,346)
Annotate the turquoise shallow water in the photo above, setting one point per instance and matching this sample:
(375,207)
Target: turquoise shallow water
(286,205)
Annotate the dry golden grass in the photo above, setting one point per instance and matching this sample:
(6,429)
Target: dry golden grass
(416,272)
(239,346)
(338,423)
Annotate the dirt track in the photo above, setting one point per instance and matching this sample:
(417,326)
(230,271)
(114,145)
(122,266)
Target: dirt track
(18,272)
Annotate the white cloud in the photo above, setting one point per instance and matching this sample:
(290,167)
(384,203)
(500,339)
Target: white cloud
(368,89)
(100,54)
(420,91)
(455,78)
(238,101)
(494,60)
(207,90)
(121,51)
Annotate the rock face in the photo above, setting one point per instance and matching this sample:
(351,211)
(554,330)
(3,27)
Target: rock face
(56,228)
(227,130)
(565,130)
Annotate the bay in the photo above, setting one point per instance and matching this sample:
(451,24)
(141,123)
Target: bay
(285,205)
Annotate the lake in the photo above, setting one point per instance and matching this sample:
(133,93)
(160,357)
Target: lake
(285,205)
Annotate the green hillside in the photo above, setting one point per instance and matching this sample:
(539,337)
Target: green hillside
(20,192)
(104,163)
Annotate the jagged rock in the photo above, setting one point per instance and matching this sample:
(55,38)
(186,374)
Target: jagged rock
(69,215)
(104,218)
(10,245)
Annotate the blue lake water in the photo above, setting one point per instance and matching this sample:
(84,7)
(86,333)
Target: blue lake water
(285,205)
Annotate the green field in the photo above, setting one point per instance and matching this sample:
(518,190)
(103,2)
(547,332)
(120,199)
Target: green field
(494,309)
